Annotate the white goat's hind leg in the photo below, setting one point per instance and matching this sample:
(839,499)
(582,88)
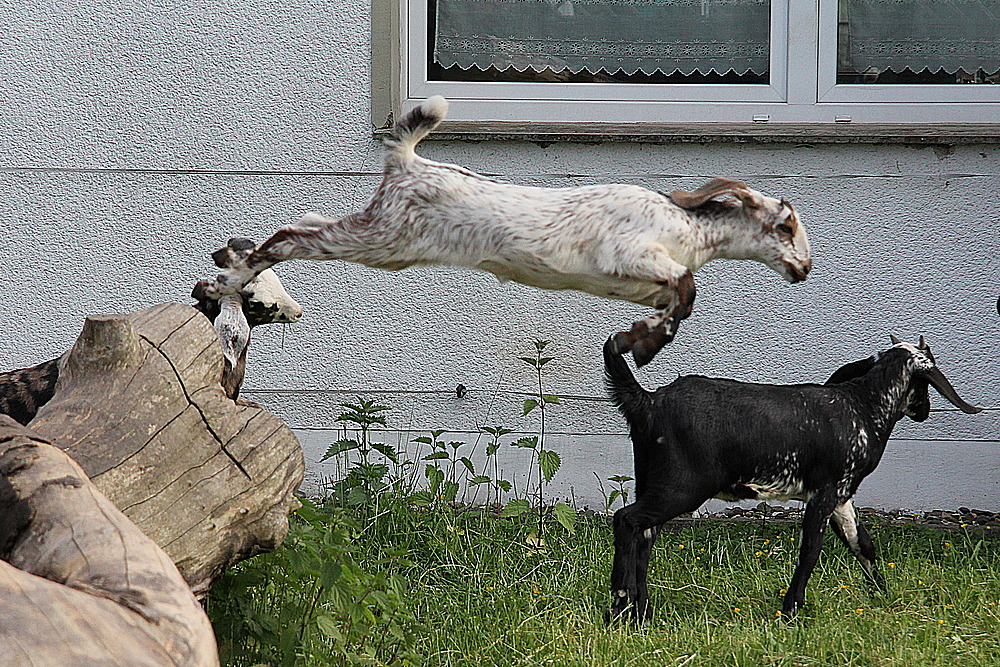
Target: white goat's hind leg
(848,527)
(650,263)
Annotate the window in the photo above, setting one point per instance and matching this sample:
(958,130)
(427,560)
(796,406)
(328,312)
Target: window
(802,62)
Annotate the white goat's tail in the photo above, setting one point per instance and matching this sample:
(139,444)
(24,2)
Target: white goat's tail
(411,128)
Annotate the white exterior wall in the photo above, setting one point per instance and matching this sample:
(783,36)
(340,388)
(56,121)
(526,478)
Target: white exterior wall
(135,140)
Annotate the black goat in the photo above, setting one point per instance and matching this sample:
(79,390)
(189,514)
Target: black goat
(701,437)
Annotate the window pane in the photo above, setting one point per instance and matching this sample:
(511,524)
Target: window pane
(918,41)
(636,41)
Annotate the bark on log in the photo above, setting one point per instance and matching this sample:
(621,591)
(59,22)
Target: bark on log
(79,583)
(139,406)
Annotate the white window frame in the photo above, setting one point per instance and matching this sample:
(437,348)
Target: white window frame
(803,89)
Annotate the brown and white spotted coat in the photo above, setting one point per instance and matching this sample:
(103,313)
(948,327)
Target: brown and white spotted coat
(616,241)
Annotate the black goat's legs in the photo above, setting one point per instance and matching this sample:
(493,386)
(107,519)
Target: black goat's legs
(635,529)
(848,527)
(814,522)
(644,548)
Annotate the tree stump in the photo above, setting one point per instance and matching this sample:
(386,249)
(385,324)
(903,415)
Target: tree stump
(139,406)
(79,583)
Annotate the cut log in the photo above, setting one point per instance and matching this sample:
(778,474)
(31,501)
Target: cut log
(79,583)
(139,405)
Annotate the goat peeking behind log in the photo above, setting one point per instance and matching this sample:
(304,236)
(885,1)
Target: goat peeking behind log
(261,301)
(615,241)
(699,438)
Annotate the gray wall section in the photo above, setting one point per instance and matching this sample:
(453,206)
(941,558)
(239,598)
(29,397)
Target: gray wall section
(135,140)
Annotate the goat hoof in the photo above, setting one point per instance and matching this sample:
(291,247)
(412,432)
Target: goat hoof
(621,342)
(789,613)
(646,348)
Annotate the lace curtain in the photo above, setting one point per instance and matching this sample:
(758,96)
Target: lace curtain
(920,34)
(609,36)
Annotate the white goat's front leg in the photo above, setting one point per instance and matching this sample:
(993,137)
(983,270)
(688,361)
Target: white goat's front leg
(313,237)
(674,301)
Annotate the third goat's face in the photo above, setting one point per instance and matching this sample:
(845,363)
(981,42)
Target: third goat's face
(267,302)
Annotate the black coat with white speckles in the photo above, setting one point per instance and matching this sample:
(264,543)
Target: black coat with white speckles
(720,437)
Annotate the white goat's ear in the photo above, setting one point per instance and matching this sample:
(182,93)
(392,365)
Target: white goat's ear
(717,188)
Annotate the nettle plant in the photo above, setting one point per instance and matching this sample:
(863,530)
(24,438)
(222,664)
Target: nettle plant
(443,483)
(546,461)
(366,479)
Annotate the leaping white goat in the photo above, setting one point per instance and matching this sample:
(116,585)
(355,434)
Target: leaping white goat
(616,241)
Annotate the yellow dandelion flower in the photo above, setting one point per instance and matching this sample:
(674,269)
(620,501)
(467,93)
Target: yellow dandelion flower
(844,586)
(949,606)
(680,546)
(947,544)
(758,554)
(783,591)
(890,565)
(736,609)
(777,613)
(964,525)
(860,610)
(940,622)
(766,542)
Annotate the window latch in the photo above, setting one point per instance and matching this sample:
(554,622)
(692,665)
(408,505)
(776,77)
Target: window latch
(842,119)
(761,118)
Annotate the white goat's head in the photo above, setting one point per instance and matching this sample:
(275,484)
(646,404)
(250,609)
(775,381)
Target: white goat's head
(779,241)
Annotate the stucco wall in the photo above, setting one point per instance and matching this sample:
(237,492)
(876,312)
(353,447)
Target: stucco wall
(133,141)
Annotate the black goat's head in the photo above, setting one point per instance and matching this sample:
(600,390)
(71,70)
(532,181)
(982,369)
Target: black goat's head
(917,403)
(928,373)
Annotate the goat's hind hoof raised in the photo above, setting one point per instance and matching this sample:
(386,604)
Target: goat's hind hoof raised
(621,342)
(644,349)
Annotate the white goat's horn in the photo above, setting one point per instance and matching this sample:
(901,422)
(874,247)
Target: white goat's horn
(895,341)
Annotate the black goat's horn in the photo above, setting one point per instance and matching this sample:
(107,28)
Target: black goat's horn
(940,382)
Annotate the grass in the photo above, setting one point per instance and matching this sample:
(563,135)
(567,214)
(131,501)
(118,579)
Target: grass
(476,589)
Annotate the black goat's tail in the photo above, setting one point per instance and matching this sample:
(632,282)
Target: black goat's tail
(411,128)
(626,393)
